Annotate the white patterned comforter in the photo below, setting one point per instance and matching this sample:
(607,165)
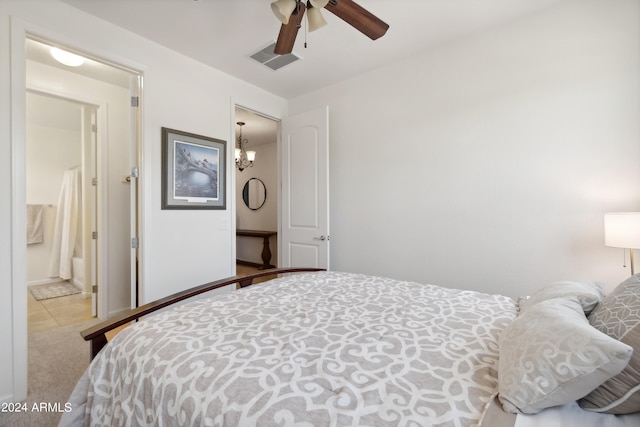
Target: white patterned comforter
(315,349)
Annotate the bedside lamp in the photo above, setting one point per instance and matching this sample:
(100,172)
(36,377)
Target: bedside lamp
(622,230)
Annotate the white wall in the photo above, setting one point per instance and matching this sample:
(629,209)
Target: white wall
(496,156)
(179,248)
(488,163)
(52,148)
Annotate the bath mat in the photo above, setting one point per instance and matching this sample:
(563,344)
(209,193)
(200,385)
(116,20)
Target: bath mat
(53,290)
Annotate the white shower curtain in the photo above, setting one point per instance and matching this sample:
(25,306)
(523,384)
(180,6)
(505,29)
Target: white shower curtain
(66,226)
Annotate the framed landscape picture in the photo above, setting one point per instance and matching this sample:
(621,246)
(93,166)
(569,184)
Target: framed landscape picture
(193,171)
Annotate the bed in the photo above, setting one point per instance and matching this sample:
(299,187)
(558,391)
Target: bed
(320,348)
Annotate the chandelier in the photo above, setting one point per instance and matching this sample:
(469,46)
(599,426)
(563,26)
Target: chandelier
(244,158)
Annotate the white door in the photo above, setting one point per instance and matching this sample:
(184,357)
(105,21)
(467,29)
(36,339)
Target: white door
(304,230)
(92,211)
(135,129)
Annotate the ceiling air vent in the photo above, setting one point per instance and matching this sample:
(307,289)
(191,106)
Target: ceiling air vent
(274,61)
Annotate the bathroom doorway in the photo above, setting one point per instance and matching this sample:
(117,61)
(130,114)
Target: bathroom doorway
(61,159)
(89,110)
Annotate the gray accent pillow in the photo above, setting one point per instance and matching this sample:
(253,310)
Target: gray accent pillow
(589,294)
(618,316)
(550,355)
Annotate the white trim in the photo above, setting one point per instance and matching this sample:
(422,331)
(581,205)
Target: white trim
(43,282)
(103,189)
(19,31)
(136,160)
(18,208)
(232,176)
(232,139)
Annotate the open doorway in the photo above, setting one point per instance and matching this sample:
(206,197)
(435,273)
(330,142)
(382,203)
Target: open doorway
(256,192)
(298,186)
(96,99)
(60,160)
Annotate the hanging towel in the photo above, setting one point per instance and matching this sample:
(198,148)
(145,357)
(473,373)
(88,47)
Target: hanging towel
(34,224)
(66,226)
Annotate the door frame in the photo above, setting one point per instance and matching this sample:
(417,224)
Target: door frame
(279,166)
(99,106)
(135,192)
(20,31)
(234,176)
(101,272)
(101,193)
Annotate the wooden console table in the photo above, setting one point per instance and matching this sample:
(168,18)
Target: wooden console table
(266,251)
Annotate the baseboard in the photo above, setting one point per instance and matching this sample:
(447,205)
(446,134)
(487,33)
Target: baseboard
(257,265)
(7,398)
(116,312)
(78,284)
(44,281)
(75,282)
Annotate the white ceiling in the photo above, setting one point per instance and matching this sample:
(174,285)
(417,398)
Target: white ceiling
(39,51)
(55,112)
(224,33)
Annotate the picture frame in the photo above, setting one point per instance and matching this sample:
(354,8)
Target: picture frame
(193,171)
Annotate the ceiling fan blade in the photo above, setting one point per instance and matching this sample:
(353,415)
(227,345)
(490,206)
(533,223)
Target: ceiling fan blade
(288,33)
(358,17)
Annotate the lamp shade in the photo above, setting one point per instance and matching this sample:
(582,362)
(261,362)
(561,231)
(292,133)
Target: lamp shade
(318,4)
(622,230)
(283,9)
(315,19)
(251,155)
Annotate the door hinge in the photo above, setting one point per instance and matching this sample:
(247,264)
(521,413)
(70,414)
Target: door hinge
(94,289)
(94,235)
(135,243)
(94,128)
(135,101)
(94,181)
(134,172)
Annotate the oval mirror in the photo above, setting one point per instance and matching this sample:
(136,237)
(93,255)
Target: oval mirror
(254,194)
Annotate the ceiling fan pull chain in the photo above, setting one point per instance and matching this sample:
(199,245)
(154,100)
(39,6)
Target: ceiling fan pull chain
(305,33)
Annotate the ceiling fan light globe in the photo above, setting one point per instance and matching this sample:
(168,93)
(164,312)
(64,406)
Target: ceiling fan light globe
(283,9)
(315,19)
(319,4)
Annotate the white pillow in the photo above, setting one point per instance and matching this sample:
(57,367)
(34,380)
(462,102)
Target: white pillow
(589,294)
(550,355)
(618,315)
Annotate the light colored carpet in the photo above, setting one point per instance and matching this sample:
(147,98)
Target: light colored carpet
(57,360)
(53,290)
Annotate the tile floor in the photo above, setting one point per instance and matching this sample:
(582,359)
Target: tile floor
(49,314)
(245,269)
(53,313)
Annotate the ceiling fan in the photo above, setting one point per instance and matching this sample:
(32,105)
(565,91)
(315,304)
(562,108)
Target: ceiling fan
(291,12)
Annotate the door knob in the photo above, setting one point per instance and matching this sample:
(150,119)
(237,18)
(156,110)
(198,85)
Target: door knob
(320,238)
